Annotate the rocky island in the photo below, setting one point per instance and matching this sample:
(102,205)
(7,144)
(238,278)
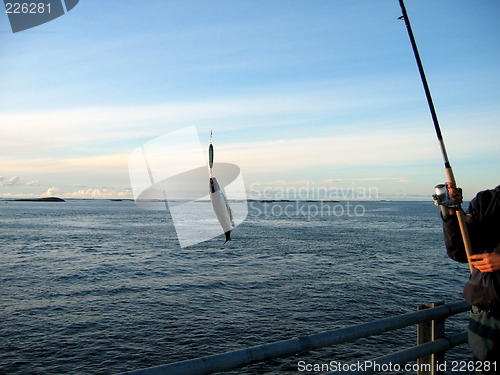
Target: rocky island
(45,199)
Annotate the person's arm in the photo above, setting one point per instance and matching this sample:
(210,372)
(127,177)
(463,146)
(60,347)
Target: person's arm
(483,233)
(451,229)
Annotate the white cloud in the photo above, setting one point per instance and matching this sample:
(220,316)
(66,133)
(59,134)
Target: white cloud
(365,150)
(95,192)
(81,127)
(271,153)
(15,180)
(99,165)
(98,193)
(368,179)
(53,191)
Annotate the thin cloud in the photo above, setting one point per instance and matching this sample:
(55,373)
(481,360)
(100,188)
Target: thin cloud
(52,192)
(83,127)
(97,193)
(362,150)
(110,165)
(14,181)
(390,179)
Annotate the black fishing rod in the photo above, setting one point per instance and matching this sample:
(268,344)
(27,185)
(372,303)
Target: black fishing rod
(447,167)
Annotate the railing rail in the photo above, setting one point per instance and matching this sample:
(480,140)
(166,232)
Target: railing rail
(404,356)
(238,358)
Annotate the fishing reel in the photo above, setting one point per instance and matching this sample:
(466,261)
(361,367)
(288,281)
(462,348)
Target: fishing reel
(442,199)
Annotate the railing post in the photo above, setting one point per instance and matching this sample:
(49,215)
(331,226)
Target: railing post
(426,332)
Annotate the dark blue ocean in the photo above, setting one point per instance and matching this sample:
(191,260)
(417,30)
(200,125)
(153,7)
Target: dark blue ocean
(102,287)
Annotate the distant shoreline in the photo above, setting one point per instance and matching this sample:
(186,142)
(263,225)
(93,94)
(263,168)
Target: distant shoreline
(57,199)
(46,199)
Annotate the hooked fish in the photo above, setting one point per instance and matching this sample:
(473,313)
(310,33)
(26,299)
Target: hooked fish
(221,208)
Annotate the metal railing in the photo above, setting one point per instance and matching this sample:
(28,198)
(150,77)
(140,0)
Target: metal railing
(430,346)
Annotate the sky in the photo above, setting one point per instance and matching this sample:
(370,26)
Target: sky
(313,96)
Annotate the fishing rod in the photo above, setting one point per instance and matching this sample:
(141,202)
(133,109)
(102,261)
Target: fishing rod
(447,166)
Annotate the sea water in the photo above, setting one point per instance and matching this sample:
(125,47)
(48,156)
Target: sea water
(103,287)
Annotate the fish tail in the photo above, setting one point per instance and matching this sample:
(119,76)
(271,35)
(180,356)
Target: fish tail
(228,236)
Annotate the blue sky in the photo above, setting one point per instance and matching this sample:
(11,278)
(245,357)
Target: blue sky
(316,94)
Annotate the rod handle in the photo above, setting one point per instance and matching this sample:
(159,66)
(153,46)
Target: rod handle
(465,236)
(449,176)
(461,219)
